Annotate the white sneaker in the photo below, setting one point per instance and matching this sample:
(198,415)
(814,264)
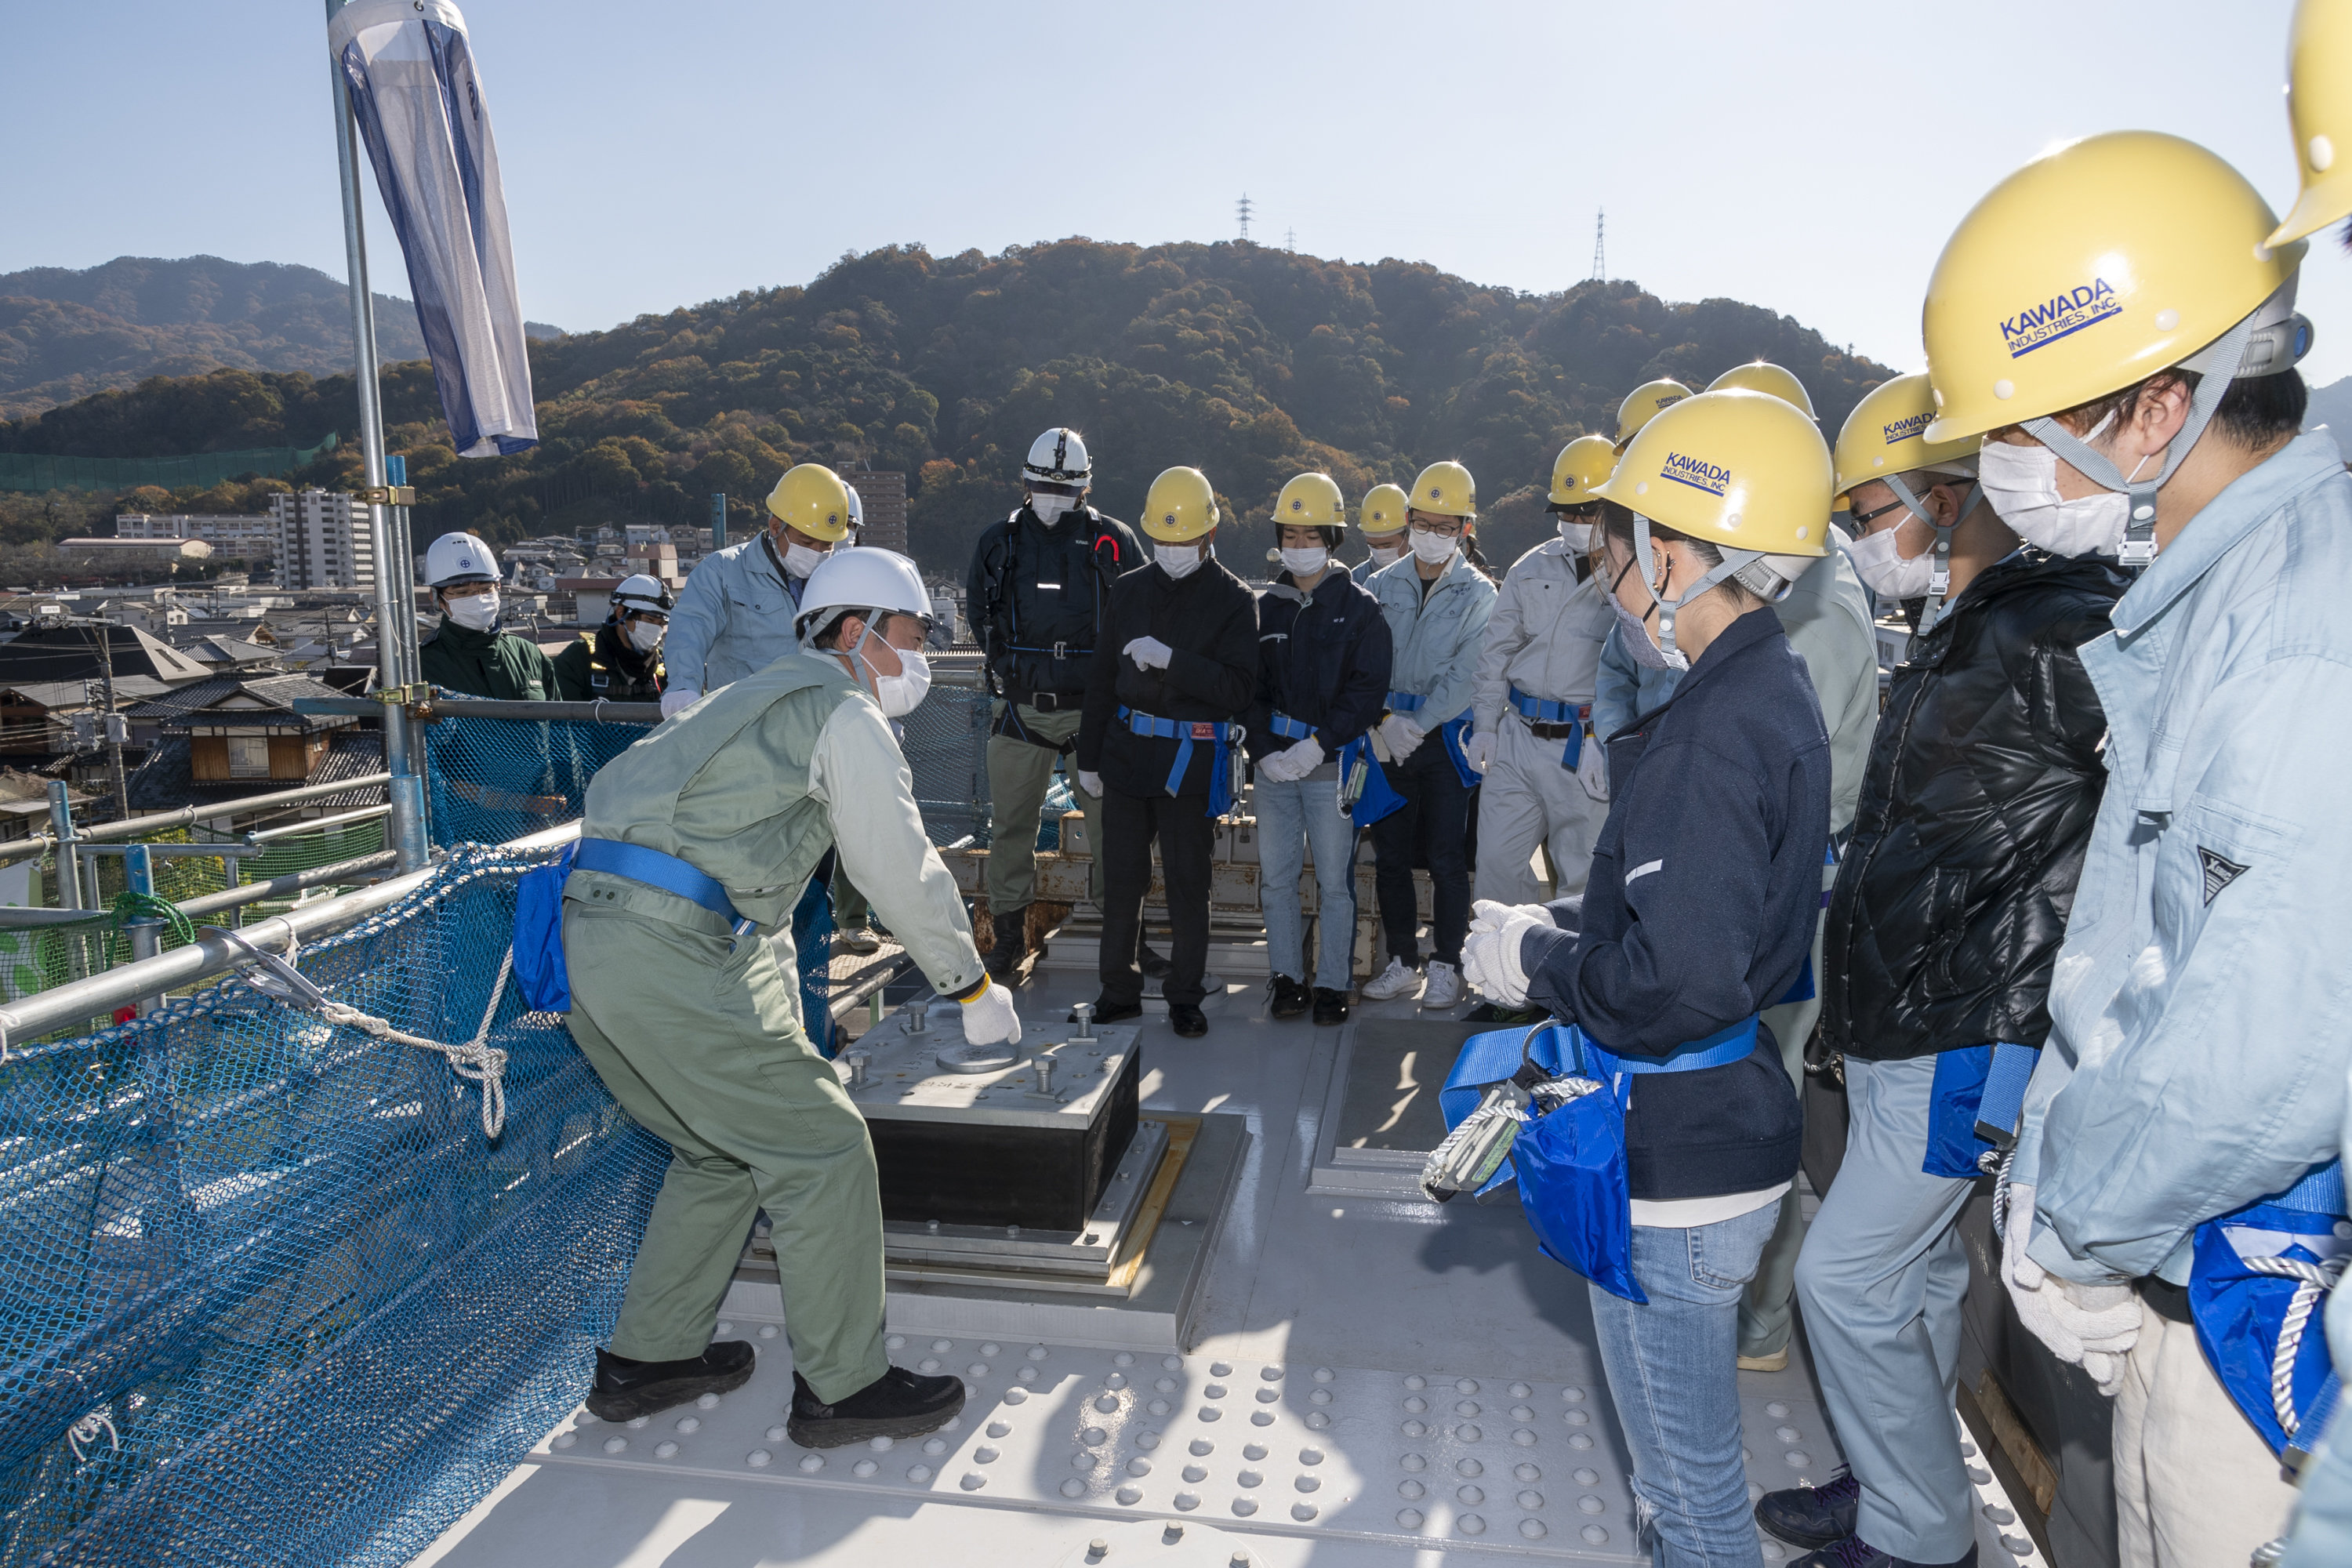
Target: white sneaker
(1394,981)
(858,939)
(1445,987)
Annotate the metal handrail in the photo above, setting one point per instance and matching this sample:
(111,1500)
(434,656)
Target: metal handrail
(597,712)
(188,816)
(97,996)
(318,823)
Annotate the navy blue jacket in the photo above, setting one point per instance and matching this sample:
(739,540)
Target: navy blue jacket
(1323,659)
(1209,620)
(1704,890)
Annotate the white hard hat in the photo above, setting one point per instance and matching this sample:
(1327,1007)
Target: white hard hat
(1057,457)
(861,581)
(644,592)
(455,558)
(856,512)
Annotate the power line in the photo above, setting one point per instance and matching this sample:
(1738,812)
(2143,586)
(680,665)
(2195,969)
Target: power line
(1599,254)
(1243,207)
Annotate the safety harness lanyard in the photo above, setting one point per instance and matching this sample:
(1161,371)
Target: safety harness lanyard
(1184,731)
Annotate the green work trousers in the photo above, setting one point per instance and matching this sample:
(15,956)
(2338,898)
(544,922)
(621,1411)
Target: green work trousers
(1767,1310)
(698,1037)
(1019,775)
(850,908)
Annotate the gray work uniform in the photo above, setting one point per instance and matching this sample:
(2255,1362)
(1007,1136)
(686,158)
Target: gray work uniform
(734,616)
(1544,638)
(698,1033)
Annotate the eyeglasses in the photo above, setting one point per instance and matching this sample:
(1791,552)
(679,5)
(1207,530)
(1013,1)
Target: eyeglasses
(1583,511)
(1862,519)
(1446,530)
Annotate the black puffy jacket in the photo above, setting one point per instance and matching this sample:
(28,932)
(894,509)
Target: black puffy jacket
(1951,897)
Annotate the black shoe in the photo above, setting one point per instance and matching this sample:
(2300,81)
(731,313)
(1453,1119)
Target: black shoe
(899,1404)
(1154,967)
(1330,1006)
(1187,1020)
(1109,1012)
(1489,1013)
(1011,947)
(1290,998)
(1812,1517)
(1854,1551)
(625,1389)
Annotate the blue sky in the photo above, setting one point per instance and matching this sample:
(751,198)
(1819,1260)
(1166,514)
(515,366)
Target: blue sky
(1810,158)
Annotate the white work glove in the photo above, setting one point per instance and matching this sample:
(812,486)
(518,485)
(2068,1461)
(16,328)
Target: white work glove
(1148,653)
(1274,768)
(1294,762)
(1478,750)
(1490,953)
(1090,783)
(2090,1325)
(1402,735)
(1592,768)
(989,1018)
(678,697)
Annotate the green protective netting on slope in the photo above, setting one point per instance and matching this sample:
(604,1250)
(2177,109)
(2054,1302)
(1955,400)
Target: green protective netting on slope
(40,471)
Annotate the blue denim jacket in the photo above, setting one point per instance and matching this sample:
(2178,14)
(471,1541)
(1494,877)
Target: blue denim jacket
(2201,1008)
(734,616)
(1436,640)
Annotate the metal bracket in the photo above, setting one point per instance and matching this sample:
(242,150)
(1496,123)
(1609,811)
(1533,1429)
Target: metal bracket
(277,976)
(386,495)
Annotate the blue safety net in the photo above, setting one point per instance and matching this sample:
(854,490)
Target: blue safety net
(273,1295)
(491,780)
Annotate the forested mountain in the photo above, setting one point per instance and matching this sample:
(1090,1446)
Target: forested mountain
(1248,363)
(66,333)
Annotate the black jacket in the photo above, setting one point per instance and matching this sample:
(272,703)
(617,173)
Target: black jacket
(602,664)
(1699,912)
(1323,659)
(1975,810)
(1210,619)
(1036,595)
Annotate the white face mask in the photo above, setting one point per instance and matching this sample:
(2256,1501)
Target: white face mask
(1306,562)
(1050,507)
(1885,572)
(1577,536)
(1433,548)
(474,612)
(1179,560)
(2022,482)
(800,559)
(646,636)
(1387,554)
(902,693)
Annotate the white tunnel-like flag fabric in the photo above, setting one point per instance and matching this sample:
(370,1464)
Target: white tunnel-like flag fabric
(418,101)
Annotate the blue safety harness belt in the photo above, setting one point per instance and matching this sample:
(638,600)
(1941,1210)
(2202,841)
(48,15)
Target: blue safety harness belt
(1184,731)
(1543,711)
(1450,735)
(1290,728)
(539,969)
(2258,1284)
(1569,1158)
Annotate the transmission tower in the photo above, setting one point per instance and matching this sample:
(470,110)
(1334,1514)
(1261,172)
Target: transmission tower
(1290,239)
(1599,252)
(1243,207)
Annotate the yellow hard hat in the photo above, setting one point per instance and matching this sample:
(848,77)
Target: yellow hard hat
(2087,272)
(1642,405)
(812,499)
(1446,488)
(1762,375)
(1744,471)
(2319,112)
(1887,435)
(1383,511)
(1180,507)
(1581,465)
(1311,501)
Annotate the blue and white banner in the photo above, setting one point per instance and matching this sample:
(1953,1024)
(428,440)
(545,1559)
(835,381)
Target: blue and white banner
(418,101)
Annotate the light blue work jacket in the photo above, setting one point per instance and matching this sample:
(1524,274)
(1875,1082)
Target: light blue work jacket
(2201,1009)
(733,616)
(1436,640)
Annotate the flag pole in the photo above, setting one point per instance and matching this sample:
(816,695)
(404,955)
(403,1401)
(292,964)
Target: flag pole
(395,600)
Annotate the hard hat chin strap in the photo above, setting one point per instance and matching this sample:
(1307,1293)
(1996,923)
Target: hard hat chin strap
(1939,575)
(1733,561)
(2139,528)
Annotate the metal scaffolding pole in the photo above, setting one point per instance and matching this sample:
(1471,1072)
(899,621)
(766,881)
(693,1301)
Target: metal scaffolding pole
(395,605)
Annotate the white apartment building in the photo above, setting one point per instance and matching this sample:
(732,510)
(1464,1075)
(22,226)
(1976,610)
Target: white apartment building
(242,538)
(322,541)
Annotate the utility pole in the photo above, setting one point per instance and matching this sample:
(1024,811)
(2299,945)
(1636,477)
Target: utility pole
(1600,255)
(114,726)
(1243,207)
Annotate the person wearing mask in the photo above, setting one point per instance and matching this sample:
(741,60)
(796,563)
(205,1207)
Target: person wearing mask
(1699,912)
(1949,904)
(1545,785)
(1178,670)
(1624,689)
(735,614)
(1438,605)
(1323,677)
(469,654)
(1382,524)
(620,661)
(2195,1065)
(1037,591)
(697,841)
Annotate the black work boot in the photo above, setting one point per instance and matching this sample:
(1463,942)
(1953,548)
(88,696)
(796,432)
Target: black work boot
(625,1389)
(1290,998)
(899,1404)
(1187,1019)
(1012,945)
(1330,1006)
(1812,1517)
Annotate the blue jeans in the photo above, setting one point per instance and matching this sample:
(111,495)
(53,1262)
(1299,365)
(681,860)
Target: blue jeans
(1671,1372)
(1290,818)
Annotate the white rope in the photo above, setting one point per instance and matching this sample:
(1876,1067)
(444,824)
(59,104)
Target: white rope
(2316,1280)
(87,1429)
